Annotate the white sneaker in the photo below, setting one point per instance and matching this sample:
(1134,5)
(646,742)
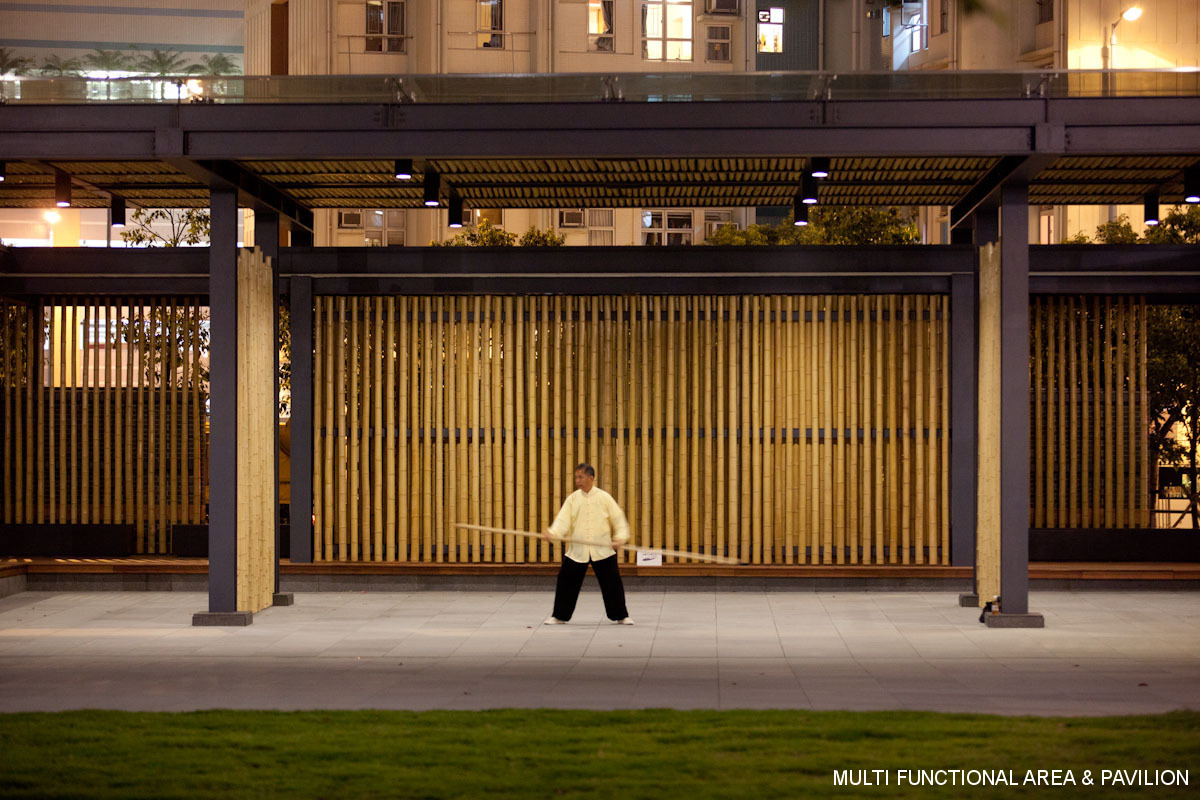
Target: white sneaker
(624,621)
(554,621)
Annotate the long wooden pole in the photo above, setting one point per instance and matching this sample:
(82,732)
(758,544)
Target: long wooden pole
(665,552)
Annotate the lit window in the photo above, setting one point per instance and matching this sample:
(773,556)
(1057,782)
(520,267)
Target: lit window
(383,227)
(917,29)
(718,43)
(666,227)
(600,26)
(667,30)
(385,26)
(491,24)
(600,227)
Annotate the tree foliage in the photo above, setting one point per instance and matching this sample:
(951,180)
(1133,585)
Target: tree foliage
(844,225)
(162,63)
(485,234)
(184,226)
(13,64)
(107,61)
(55,66)
(216,64)
(1181,225)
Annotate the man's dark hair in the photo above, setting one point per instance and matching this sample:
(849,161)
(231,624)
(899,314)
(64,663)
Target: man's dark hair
(587,469)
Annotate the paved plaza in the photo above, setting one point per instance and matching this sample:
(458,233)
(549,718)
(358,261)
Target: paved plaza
(1100,653)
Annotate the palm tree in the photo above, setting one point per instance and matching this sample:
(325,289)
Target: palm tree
(218,64)
(162,64)
(56,66)
(107,61)
(12,64)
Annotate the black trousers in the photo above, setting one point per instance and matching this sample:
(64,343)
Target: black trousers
(570,580)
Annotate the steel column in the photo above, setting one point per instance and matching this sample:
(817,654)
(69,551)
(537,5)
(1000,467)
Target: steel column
(1014,400)
(300,511)
(964,343)
(223,436)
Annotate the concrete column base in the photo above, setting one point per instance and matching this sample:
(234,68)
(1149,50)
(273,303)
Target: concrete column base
(227,618)
(1014,620)
(966,600)
(283,599)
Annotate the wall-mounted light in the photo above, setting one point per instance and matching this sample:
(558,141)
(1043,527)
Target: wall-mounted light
(820,167)
(1151,209)
(116,207)
(455,213)
(62,189)
(404,169)
(1191,185)
(799,212)
(433,185)
(53,217)
(808,189)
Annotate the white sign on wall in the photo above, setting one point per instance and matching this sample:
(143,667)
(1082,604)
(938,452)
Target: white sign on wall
(649,558)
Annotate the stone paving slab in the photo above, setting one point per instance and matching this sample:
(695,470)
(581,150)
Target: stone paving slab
(1100,653)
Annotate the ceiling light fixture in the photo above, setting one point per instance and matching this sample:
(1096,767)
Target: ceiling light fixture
(62,189)
(1191,185)
(820,167)
(404,169)
(1151,209)
(455,213)
(116,207)
(433,185)
(799,212)
(808,189)
(3,171)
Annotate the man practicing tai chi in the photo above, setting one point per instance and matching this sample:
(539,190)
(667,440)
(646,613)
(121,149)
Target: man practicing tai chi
(594,524)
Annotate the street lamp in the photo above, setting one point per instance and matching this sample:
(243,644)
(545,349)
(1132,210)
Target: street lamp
(1132,13)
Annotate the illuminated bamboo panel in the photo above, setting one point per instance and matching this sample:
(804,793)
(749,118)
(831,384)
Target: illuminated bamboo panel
(73,447)
(852,494)
(987,571)
(714,403)
(256,435)
(741,425)
(9,370)
(1094,457)
(1144,484)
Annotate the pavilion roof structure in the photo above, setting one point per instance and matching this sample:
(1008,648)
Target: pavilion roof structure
(305,143)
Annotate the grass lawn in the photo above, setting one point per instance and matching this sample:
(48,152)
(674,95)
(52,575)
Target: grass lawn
(531,753)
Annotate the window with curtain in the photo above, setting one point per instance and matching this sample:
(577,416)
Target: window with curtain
(600,26)
(667,30)
(491,23)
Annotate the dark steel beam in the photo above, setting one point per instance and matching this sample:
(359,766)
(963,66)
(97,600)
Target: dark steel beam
(630,262)
(635,284)
(1022,169)
(252,191)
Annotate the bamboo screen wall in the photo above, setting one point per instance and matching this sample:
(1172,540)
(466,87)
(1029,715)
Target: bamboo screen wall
(1090,417)
(778,429)
(103,414)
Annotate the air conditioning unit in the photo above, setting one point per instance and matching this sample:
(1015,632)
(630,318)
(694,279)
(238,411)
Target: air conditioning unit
(722,6)
(712,227)
(570,218)
(350,219)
